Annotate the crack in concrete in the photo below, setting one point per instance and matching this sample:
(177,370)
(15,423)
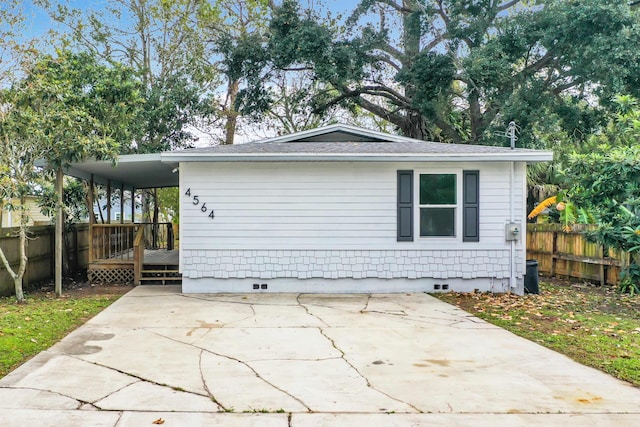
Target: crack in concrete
(366,304)
(404,316)
(114,392)
(398,313)
(321,359)
(251,368)
(146,380)
(120,414)
(204,383)
(289,416)
(307,310)
(191,296)
(80,401)
(342,356)
(455,324)
(363,376)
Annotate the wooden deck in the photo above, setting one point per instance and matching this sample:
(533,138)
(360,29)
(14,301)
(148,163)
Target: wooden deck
(161,257)
(151,257)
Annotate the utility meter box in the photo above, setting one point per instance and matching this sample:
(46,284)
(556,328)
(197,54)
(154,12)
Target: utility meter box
(512,231)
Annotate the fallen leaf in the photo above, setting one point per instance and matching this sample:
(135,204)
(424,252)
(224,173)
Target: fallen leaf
(158,421)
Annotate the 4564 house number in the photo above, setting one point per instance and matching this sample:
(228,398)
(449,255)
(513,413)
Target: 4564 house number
(196,201)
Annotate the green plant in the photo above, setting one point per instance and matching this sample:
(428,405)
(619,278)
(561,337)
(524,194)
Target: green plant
(630,280)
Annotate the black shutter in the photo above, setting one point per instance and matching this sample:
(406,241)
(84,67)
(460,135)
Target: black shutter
(471,206)
(405,206)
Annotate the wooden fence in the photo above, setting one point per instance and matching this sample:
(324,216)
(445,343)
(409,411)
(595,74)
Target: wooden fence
(40,251)
(568,254)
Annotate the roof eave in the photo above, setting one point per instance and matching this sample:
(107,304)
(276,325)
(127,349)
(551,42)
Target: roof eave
(531,157)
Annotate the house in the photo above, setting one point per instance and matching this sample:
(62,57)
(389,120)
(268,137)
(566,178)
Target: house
(333,209)
(9,218)
(345,209)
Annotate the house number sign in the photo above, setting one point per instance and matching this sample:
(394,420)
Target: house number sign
(196,201)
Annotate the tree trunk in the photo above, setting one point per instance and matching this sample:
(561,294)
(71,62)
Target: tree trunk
(231,113)
(17,280)
(18,275)
(414,126)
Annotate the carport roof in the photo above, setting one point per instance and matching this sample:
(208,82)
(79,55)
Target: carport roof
(130,171)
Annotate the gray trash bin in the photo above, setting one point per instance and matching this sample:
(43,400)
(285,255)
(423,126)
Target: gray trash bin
(531,277)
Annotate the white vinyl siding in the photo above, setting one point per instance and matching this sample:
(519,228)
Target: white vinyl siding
(320,205)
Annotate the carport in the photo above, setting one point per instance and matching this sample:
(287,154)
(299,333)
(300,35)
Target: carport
(133,251)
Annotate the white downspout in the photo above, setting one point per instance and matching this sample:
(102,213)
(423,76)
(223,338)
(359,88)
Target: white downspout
(512,276)
(512,242)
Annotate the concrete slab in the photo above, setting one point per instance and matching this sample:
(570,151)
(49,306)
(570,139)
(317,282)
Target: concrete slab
(237,386)
(74,378)
(34,398)
(464,420)
(143,396)
(136,419)
(57,418)
(311,360)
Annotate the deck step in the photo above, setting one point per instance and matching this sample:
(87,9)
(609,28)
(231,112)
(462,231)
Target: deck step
(160,271)
(159,278)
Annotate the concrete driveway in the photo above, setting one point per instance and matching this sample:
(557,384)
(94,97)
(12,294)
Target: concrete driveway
(304,360)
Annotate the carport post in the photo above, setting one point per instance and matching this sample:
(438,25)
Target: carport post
(58,233)
(121,203)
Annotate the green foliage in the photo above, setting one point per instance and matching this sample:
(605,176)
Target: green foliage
(73,200)
(608,181)
(66,109)
(169,106)
(169,203)
(74,108)
(459,71)
(162,41)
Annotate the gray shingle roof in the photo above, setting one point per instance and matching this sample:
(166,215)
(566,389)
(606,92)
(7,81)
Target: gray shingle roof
(343,142)
(390,147)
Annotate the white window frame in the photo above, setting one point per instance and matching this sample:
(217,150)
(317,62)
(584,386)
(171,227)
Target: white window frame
(457,207)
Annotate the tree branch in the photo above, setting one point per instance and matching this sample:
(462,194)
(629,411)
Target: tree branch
(507,5)
(396,6)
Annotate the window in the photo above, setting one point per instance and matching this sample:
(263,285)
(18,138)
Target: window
(438,204)
(447,205)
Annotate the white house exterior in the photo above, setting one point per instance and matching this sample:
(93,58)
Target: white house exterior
(343,209)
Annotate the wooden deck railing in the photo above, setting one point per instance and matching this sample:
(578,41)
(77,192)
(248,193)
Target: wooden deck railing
(116,241)
(112,242)
(117,244)
(158,236)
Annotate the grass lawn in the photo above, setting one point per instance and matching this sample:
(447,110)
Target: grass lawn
(592,325)
(27,329)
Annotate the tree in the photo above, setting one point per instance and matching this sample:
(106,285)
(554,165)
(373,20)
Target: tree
(457,70)
(67,108)
(607,180)
(18,153)
(238,53)
(161,42)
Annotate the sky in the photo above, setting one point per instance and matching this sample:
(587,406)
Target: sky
(39,22)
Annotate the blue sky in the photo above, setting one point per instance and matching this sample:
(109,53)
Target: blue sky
(38,22)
